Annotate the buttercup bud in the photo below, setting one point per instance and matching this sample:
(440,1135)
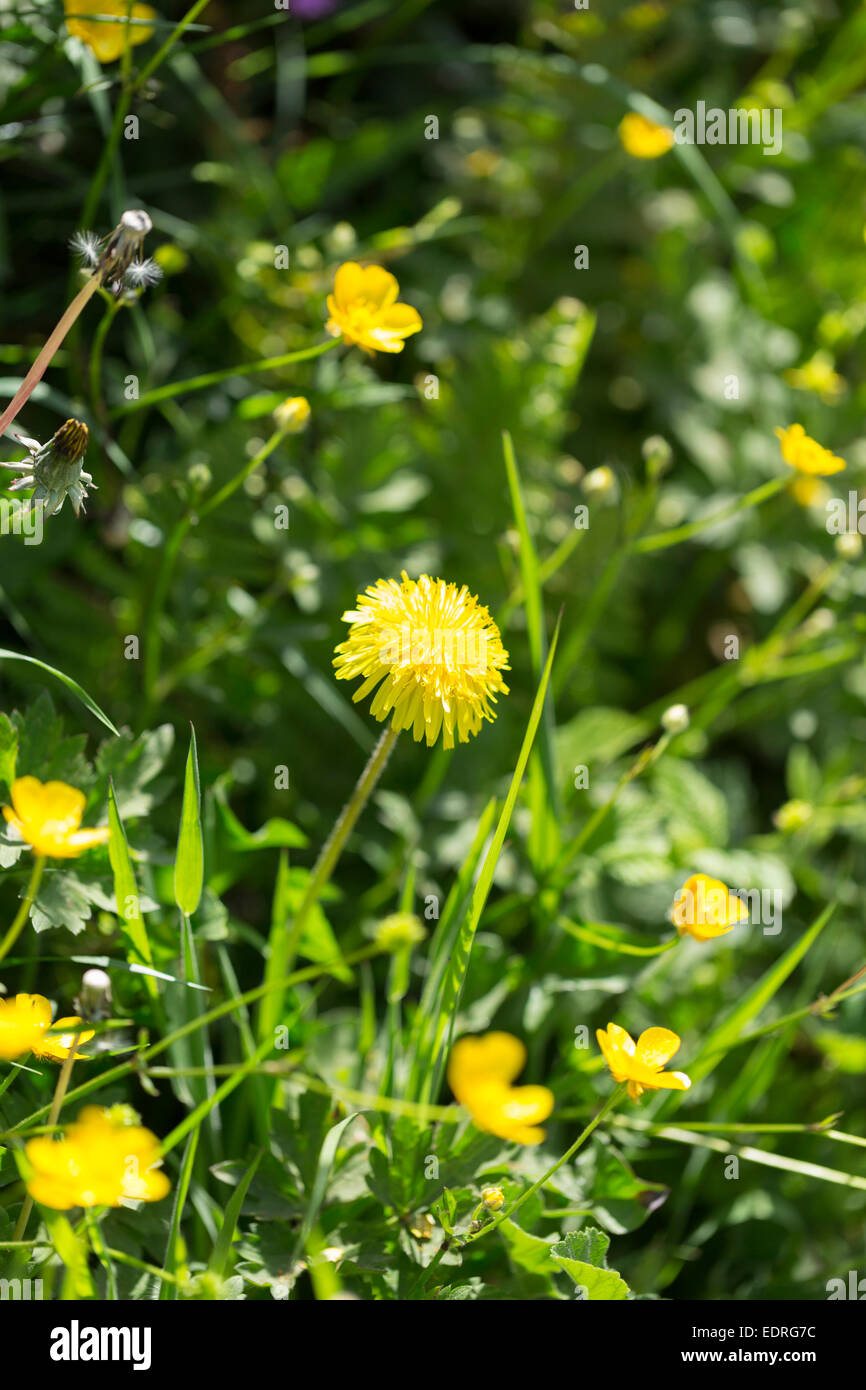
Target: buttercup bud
(293,415)
(658,456)
(599,482)
(793,816)
(398,931)
(493,1198)
(675,719)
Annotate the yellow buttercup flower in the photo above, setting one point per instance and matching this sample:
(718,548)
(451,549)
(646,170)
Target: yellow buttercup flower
(436,651)
(293,414)
(809,491)
(643,138)
(100,1162)
(364,309)
(48,815)
(640,1063)
(819,376)
(108,41)
(24,1022)
(480,1072)
(804,454)
(705,908)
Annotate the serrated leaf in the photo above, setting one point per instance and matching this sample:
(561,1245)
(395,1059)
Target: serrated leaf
(697,810)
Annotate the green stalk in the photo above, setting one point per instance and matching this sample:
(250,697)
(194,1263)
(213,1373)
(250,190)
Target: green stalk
(24,910)
(333,846)
(613,1100)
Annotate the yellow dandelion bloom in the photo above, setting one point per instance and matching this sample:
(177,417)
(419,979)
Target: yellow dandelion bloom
(434,652)
(705,908)
(364,309)
(107,41)
(48,816)
(640,1063)
(480,1072)
(643,138)
(804,454)
(24,1022)
(100,1162)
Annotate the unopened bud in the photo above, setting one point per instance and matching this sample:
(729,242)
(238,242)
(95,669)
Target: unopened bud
(793,816)
(94,999)
(657,455)
(848,546)
(599,482)
(293,415)
(675,719)
(493,1198)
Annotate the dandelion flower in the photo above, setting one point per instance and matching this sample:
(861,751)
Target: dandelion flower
(108,41)
(643,138)
(100,1162)
(364,309)
(48,816)
(705,908)
(804,454)
(24,1022)
(640,1063)
(434,652)
(480,1072)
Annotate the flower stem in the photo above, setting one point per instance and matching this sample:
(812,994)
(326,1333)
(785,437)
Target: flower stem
(663,539)
(37,371)
(333,846)
(153,636)
(24,910)
(612,1101)
(59,1093)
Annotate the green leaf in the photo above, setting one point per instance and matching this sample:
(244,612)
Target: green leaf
(274,834)
(70,684)
(189,862)
(8,751)
(583,1256)
(126,893)
(529,1252)
(697,810)
(222,1248)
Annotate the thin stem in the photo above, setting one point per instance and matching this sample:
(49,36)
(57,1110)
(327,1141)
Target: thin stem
(56,1103)
(693,528)
(333,846)
(613,1100)
(153,636)
(198,383)
(37,371)
(24,910)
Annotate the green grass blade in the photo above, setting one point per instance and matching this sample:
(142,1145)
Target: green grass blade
(126,894)
(222,1249)
(189,862)
(77,690)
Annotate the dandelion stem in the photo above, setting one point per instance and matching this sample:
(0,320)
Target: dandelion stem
(333,846)
(612,1101)
(37,371)
(24,910)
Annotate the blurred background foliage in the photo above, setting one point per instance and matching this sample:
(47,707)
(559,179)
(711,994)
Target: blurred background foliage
(309,131)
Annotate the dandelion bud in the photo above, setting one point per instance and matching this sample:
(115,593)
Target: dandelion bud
(675,719)
(657,455)
(848,546)
(293,415)
(493,1198)
(793,816)
(400,930)
(94,998)
(599,482)
(54,470)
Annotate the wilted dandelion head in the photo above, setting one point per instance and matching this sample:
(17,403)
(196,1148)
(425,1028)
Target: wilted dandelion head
(434,652)
(116,259)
